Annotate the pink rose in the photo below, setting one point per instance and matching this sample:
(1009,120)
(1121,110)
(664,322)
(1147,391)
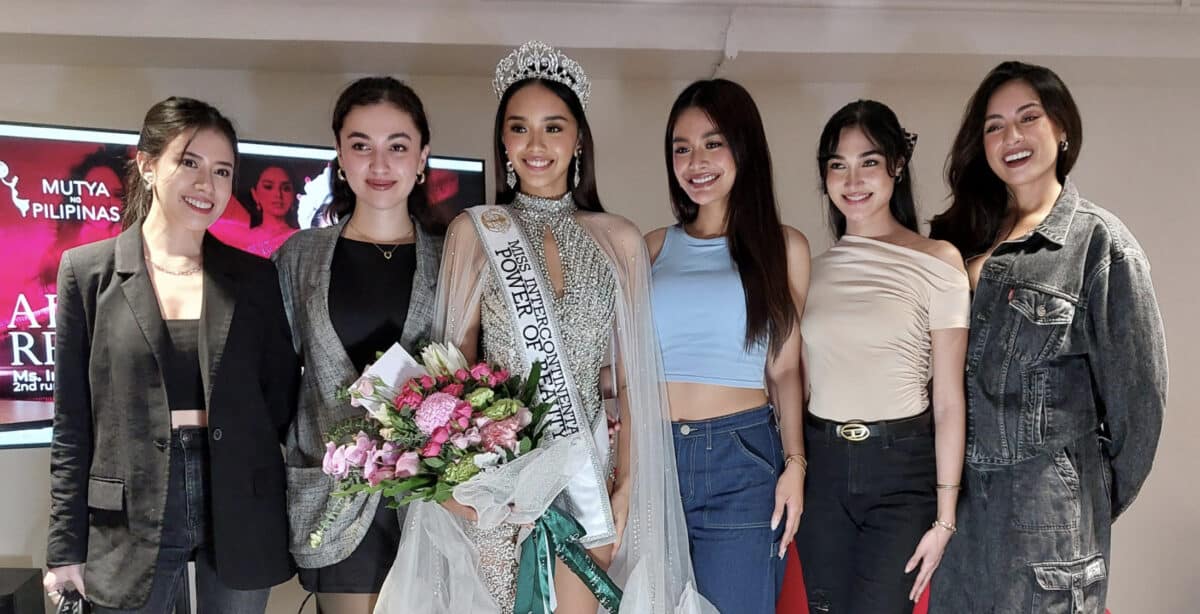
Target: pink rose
(481,371)
(454,389)
(442,380)
(408,464)
(363,447)
(334,463)
(431,449)
(466,439)
(462,375)
(427,382)
(503,375)
(435,411)
(495,380)
(502,434)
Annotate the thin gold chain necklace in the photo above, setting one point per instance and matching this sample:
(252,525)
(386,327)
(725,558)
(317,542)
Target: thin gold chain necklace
(387,253)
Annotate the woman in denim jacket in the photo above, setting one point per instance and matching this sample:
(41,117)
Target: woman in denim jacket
(1066,364)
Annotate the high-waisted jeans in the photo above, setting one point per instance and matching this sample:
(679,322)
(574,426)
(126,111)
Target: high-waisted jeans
(866,506)
(187,535)
(727,468)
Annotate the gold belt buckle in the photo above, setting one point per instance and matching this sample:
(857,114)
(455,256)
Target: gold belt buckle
(853,431)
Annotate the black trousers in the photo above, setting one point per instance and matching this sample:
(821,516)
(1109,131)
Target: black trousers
(866,506)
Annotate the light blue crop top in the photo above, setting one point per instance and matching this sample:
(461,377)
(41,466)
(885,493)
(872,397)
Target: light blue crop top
(700,313)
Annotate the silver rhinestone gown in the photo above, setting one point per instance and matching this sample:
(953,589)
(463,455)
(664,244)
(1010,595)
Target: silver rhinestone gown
(585,313)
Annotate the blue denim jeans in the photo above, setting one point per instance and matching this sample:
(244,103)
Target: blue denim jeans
(728,467)
(186,535)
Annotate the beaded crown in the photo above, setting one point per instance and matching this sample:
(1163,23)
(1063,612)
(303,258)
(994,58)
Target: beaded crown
(537,60)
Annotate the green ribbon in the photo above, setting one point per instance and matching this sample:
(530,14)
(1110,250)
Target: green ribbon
(556,535)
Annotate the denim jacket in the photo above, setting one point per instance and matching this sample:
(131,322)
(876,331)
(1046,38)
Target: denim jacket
(1067,342)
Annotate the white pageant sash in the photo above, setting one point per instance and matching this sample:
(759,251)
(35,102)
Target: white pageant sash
(531,307)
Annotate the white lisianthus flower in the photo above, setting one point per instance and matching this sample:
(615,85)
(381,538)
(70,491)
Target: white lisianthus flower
(486,460)
(442,359)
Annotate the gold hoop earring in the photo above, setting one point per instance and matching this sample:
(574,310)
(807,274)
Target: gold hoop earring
(420,178)
(340,174)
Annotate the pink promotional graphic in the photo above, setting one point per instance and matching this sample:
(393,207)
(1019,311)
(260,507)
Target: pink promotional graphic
(62,187)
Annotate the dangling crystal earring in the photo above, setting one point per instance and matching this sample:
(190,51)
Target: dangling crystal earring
(511,177)
(578,163)
(1064,145)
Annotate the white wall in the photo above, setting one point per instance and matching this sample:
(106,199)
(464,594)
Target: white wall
(1139,160)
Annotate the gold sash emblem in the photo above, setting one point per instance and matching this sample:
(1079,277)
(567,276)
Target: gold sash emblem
(495,221)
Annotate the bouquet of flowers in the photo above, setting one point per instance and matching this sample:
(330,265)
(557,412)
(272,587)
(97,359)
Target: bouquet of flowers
(445,422)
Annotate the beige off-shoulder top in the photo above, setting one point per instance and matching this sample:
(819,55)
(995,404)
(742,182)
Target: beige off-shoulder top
(867,327)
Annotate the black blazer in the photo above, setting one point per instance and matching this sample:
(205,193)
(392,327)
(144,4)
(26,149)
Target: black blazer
(109,459)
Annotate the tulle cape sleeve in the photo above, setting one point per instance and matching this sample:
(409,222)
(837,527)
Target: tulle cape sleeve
(437,568)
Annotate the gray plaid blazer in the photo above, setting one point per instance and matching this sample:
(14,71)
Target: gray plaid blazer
(303,263)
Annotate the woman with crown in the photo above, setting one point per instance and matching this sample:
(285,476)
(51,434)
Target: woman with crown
(547,277)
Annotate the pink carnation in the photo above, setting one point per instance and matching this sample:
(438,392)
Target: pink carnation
(435,411)
(409,398)
(454,389)
(502,434)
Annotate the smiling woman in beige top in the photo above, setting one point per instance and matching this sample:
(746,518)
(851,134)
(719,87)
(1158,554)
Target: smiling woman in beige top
(887,312)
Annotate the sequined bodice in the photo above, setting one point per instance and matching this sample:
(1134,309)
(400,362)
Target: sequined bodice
(585,310)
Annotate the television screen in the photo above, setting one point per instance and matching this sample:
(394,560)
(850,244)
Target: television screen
(62,187)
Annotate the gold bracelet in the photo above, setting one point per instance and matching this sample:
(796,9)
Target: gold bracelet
(948,486)
(945,525)
(796,458)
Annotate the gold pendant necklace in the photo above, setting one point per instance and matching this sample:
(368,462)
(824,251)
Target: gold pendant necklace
(387,253)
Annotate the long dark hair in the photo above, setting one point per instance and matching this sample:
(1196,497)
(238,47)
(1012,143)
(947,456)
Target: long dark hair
(753,230)
(251,172)
(164,122)
(882,128)
(979,199)
(585,195)
(366,92)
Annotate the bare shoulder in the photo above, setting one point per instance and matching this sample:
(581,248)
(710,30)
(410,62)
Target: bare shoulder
(942,250)
(796,243)
(654,241)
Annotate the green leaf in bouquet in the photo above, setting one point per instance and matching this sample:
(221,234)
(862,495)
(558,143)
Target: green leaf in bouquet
(530,392)
(525,445)
(434,462)
(442,492)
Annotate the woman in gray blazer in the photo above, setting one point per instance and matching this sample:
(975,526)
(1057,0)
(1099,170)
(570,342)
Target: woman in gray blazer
(351,290)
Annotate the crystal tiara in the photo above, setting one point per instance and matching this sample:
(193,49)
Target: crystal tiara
(537,60)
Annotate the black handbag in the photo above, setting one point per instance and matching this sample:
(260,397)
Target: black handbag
(71,602)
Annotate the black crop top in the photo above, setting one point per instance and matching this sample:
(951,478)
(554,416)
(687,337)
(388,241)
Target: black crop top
(368,296)
(181,373)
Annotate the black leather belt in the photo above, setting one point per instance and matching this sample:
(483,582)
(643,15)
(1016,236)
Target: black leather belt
(856,430)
